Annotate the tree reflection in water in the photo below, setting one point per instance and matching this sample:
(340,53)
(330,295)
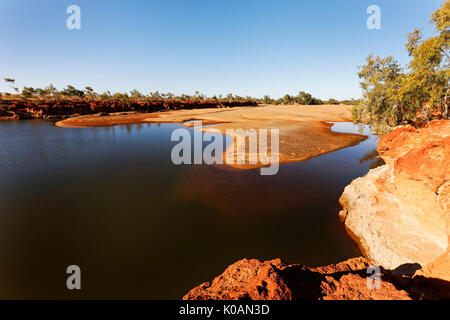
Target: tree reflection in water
(374,159)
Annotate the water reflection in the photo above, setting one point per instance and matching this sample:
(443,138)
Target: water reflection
(110,200)
(374,159)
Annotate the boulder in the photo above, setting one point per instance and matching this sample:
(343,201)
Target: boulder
(348,280)
(398,214)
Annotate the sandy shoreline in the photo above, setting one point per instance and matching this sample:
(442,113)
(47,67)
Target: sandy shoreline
(303,132)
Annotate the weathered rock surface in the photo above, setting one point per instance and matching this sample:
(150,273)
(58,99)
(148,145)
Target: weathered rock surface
(399,213)
(348,280)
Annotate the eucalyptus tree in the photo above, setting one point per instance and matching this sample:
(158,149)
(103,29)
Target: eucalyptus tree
(394,95)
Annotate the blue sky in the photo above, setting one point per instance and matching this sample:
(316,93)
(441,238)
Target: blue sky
(245,47)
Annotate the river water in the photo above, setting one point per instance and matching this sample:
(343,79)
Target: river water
(110,201)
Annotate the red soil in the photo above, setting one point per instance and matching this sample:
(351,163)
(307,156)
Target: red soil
(56,109)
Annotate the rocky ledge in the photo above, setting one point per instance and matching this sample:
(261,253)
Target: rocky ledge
(399,216)
(348,280)
(399,213)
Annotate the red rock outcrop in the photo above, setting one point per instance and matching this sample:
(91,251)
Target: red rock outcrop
(399,214)
(348,280)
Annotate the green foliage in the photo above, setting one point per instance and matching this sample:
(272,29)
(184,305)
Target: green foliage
(90,93)
(11,82)
(135,94)
(51,91)
(121,96)
(155,95)
(267,99)
(332,101)
(352,102)
(381,105)
(72,92)
(392,95)
(288,99)
(28,92)
(307,99)
(105,96)
(302,98)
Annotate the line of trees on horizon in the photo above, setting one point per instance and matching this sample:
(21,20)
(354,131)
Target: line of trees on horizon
(305,98)
(70,92)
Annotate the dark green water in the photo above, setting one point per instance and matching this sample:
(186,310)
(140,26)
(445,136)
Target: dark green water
(111,201)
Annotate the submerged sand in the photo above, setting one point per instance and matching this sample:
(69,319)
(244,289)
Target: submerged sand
(303,131)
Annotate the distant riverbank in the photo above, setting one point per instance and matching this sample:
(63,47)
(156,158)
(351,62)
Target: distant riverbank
(303,130)
(17,108)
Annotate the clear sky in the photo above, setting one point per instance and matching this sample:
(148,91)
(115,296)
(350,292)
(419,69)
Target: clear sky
(245,47)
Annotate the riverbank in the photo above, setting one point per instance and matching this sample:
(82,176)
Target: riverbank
(398,214)
(16,108)
(303,131)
